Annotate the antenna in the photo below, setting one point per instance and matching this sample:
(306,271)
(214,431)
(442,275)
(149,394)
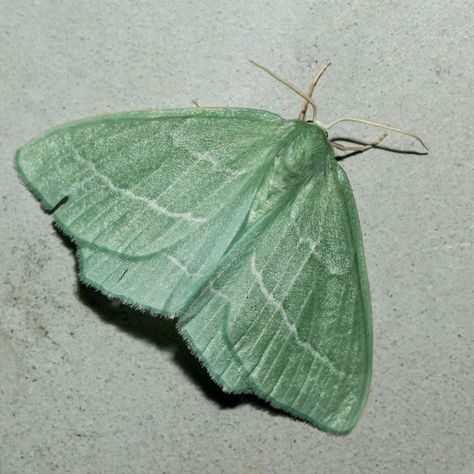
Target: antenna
(307,98)
(379,125)
(310,92)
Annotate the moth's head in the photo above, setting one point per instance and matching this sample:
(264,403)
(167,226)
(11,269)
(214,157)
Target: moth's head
(318,127)
(319,130)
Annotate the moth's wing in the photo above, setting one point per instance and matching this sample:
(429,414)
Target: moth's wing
(171,188)
(293,306)
(166,281)
(139,182)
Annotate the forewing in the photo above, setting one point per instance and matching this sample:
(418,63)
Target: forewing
(139,182)
(293,301)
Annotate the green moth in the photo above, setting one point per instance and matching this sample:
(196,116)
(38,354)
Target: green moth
(239,223)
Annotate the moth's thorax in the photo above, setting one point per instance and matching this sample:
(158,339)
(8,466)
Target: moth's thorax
(305,153)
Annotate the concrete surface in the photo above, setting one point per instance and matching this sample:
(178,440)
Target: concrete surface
(87,386)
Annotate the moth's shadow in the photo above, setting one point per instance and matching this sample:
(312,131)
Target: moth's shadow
(162,333)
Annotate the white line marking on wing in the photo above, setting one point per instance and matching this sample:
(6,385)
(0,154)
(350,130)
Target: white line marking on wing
(182,266)
(187,216)
(291,326)
(206,156)
(311,244)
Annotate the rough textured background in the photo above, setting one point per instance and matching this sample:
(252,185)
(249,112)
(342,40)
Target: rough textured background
(88,386)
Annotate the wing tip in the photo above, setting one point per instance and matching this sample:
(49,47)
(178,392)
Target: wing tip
(25,178)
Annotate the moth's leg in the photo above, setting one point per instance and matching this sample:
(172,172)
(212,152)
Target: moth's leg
(197,104)
(340,146)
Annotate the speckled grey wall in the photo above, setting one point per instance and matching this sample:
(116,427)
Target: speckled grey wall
(87,386)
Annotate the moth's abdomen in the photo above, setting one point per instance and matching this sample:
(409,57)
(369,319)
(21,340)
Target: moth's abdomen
(305,154)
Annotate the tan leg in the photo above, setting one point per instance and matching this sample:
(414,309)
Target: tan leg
(197,104)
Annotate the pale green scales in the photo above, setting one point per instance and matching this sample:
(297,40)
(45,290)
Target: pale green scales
(239,223)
